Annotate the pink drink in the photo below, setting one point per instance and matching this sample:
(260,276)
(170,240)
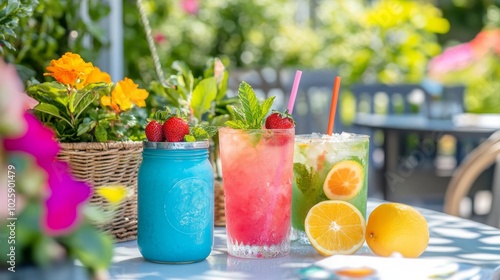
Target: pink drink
(257,170)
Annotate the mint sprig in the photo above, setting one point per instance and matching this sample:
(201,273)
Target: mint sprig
(251,113)
(199,133)
(307,180)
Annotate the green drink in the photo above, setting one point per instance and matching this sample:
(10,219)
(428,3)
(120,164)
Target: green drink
(328,167)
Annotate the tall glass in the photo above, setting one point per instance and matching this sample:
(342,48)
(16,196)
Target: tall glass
(328,167)
(257,171)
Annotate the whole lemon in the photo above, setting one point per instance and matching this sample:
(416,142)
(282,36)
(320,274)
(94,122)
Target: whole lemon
(397,228)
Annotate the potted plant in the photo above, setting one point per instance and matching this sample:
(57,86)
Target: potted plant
(205,100)
(93,120)
(45,220)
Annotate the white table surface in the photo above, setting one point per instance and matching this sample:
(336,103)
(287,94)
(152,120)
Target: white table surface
(452,238)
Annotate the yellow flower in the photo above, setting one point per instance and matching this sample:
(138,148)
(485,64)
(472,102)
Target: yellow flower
(114,193)
(124,95)
(70,69)
(107,101)
(133,92)
(96,76)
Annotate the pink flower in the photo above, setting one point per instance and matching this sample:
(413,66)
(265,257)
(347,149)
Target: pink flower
(190,6)
(65,196)
(452,59)
(38,141)
(160,38)
(62,207)
(13,101)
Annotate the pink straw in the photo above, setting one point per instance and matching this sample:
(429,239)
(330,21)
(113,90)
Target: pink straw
(295,88)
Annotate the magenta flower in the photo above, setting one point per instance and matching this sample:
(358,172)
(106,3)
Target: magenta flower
(190,6)
(65,196)
(38,141)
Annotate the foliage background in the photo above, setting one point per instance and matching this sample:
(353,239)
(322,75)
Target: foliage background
(53,28)
(388,41)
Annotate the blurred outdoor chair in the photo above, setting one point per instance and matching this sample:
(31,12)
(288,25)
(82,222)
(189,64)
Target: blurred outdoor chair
(412,163)
(459,189)
(381,99)
(389,99)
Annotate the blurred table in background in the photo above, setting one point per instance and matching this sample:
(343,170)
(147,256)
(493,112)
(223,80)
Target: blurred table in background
(420,168)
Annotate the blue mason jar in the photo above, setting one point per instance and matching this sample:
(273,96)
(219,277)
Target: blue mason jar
(175,202)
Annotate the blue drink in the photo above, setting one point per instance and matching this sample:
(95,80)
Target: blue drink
(175,202)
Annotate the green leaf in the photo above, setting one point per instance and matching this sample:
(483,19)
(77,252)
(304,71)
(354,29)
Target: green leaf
(86,126)
(24,72)
(252,113)
(185,78)
(210,130)
(189,138)
(9,31)
(199,133)
(219,120)
(303,177)
(249,103)
(51,110)
(7,45)
(236,113)
(12,6)
(84,102)
(266,106)
(82,98)
(92,247)
(96,214)
(203,95)
(50,92)
(46,250)
(101,135)
(236,124)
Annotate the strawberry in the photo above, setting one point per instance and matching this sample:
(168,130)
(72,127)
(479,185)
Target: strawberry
(278,120)
(175,129)
(154,131)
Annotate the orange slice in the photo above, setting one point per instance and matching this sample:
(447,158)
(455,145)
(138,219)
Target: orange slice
(335,227)
(344,181)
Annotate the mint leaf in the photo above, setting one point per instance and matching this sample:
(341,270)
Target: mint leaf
(303,178)
(237,124)
(211,130)
(266,106)
(249,102)
(251,113)
(199,133)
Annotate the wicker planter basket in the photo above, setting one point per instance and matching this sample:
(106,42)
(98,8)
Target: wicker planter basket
(219,208)
(109,164)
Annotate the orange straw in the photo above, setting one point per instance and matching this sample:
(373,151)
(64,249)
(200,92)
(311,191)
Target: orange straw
(333,106)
